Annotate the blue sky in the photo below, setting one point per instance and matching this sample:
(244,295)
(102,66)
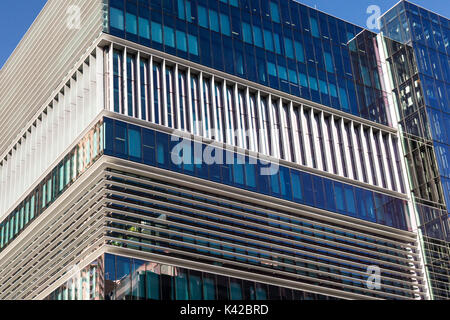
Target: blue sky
(16,16)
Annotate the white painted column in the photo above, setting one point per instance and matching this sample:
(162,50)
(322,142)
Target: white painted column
(152,91)
(124,109)
(202,102)
(359,165)
(189,102)
(365,145)
(315,134)
(386,164)
(137,82)
(177,100)
(274,134)
(237,113)
(228,127)
(282,116)
(327,144)
(164,104)
(375,158)
(348,159)
(250,130)
(296,139)
(397,176)
(215,125)
(261,117)
(337,149)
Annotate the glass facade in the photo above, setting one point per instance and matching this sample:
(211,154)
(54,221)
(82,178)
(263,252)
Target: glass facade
(112,277)
(171,220)
(155,148)
(204,104)
(284,45)
(336,205)
(425,102)
(419,57)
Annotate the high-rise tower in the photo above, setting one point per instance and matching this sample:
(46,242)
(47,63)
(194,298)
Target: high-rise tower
(206,149)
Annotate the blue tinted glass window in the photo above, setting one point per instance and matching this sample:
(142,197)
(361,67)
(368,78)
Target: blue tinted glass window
(236,289)
(329,195)
(214,20)
(188,156)
(370,205)
(274,12)
(148,138)
(193,44)
(303,80)
(134,142)
(282,72)
(274,184)
(296,186)
(319,194)
(288,44)
(181,10)
(120,140)
(225,24)
(161,149)
(333,90)
(209,288)
(277,43)
(272,69)
(169,37)
(239,62)
(323,87)
(293,76)
(247,32)
(148,141)
(350,200)
(238,172)
(153,285)
(329,62)
(257,37)
(109,136)
(343,97)
(117,18)
(195,286)
(188,11)
(250,178)
(314,27)
(181,284)
(268,40)
(313,83)
(308,194)
(203,17)
(131,22)
(144,28)
(299,52)
(285,182)
(181,41)
(201,169)
(340,197)
(156,32)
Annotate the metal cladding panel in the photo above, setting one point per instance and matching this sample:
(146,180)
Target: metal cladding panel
(43,58)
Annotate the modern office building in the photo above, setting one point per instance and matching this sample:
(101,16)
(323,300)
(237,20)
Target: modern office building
(421,82)
(224,150)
